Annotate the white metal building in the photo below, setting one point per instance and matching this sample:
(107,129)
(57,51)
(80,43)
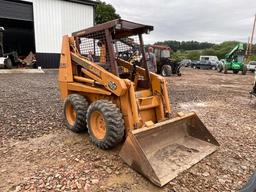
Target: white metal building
(38,25)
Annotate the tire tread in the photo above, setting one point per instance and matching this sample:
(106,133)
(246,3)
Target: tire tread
(80,105)
(114,122)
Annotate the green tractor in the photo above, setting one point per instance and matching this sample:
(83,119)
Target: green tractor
(234,61)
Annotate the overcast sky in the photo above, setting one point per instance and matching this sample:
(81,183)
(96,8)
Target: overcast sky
(200,20)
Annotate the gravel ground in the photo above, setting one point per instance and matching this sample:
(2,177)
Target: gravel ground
(37,153)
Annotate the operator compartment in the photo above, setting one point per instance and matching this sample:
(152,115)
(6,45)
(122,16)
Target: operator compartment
(119,51)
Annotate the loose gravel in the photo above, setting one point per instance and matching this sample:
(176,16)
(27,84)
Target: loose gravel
(37,153)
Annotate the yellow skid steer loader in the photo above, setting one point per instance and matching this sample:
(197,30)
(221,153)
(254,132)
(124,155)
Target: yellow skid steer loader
(117,100)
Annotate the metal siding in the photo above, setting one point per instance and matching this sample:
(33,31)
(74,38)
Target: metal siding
(16,10)
(75,17)
(55,18)
(47,23)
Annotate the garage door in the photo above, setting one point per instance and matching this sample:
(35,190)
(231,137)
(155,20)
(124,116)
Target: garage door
(16,10)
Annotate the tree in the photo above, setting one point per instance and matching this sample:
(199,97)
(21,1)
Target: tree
(222,49)
(193,49)
(253,58)
(174,45)
(105,12)
(209,52)
(186,45)
(193,55)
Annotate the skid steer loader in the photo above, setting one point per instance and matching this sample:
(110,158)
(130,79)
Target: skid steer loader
(117,100)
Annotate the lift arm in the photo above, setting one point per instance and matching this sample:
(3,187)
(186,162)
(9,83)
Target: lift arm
(238,47)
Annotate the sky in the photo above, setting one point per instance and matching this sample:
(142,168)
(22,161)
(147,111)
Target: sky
(183,20)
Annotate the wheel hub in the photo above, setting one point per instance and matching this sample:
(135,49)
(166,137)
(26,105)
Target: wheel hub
(70,114)
(163,72)
(98,125)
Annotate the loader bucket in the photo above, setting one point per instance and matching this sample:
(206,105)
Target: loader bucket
(163,151)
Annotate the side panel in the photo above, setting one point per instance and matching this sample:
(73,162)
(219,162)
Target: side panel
(159,85)
(63,86)
(65,69)
(125,106)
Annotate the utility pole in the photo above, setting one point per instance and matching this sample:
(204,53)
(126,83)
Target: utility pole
(252,36)
(247,49)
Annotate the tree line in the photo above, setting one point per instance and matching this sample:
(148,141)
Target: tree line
(186,45)
(219,50)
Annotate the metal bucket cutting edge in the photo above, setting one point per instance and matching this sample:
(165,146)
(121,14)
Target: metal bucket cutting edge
(162,152)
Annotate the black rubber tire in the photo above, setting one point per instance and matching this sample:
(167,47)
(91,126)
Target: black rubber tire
(114,124)
(235,71)
(225,69)
(244,70)
(219,68)
(80,106)
(166,71)
(8,63)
